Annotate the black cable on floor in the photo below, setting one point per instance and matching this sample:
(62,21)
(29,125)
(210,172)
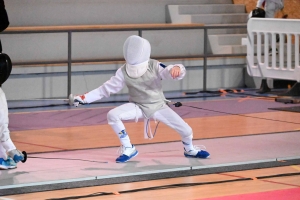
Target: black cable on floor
(230,92)
(65,159)
(179,104)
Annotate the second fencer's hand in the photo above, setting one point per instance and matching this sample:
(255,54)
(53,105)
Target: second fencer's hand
(175,71)
(79,100)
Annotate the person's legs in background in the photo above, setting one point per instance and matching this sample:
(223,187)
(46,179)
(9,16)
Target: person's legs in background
(270,8)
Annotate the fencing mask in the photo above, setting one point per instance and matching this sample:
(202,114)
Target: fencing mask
(5,67)
(136,51)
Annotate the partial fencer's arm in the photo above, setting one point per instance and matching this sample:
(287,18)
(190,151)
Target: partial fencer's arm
(259,3)
(166,72)
(112,86)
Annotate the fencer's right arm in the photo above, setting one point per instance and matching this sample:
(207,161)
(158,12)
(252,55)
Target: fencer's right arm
(112,86)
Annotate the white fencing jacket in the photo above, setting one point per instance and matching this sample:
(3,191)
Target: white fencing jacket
(117,82)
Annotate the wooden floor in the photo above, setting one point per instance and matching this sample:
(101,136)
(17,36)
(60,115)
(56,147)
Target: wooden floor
(119,191)
(83,137)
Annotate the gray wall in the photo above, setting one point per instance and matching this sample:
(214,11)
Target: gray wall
(47,81)
(51,82)
(98,45)
(83,12)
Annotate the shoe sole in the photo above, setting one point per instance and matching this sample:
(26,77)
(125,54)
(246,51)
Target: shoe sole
(188,156)
(4,167)
(132,156)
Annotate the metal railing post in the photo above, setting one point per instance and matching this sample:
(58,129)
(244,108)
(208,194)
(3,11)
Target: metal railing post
(69,61)
(205,55)
(205,60)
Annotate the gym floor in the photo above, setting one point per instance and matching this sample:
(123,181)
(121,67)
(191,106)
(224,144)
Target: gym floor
(70,148)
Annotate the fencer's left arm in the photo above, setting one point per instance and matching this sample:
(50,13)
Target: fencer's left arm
(171,72)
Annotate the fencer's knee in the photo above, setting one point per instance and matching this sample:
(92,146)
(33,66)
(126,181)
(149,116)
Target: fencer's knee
(187,132)
(112,117)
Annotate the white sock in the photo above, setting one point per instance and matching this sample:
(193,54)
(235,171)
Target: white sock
(124,138)
(119,129)
(3,152)
(188,143)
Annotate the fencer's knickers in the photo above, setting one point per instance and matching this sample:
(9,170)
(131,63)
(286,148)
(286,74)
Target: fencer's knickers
(166,115)
(174,121)
(5,140)
(115,116)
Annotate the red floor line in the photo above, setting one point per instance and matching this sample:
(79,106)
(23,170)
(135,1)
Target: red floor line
(284,194)
(280,183)
(40,145)
(269,181)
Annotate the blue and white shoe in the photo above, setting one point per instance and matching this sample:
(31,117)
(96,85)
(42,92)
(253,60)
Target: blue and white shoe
(197,152)
(126,154)
(16,155)
(9,163)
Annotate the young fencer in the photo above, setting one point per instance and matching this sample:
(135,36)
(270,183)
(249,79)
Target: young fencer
(143,77)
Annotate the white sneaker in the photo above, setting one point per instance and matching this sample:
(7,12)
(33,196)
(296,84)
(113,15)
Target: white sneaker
(197,152)
(126,154)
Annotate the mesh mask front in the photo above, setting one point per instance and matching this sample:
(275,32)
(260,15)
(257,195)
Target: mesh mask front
(136,52)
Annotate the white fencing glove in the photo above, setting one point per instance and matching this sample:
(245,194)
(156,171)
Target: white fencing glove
(79,100)
(17,156)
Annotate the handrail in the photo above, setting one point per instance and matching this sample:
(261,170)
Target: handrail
(120,27)
(105,27)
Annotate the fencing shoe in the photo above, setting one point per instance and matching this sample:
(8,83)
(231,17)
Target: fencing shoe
(126,154)
(16,155)
(197,152)
(8,163)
